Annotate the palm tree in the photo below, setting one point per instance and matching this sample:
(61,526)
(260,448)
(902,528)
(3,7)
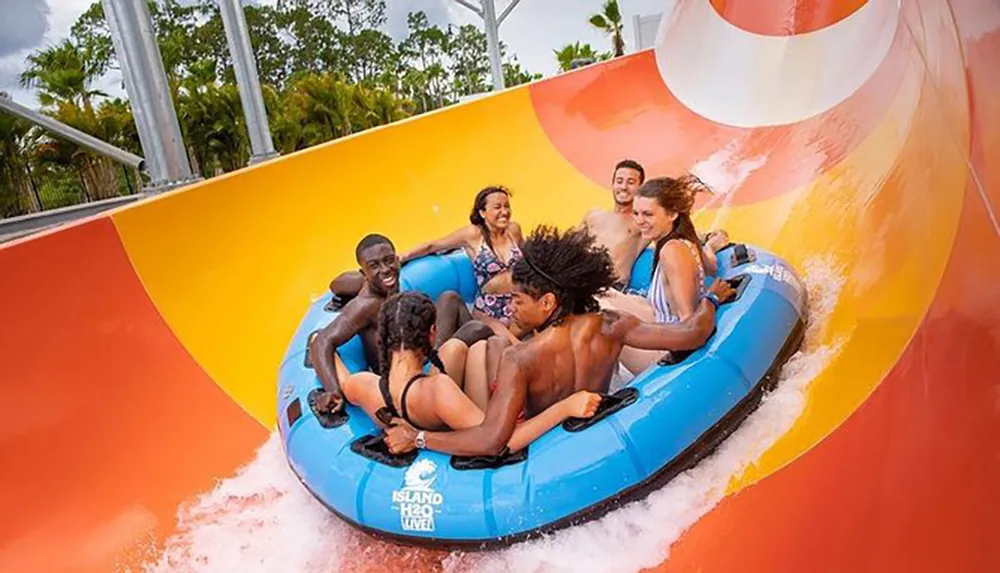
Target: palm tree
(609,21)
(388,107)
(16,194)
(575,52)
(63,73)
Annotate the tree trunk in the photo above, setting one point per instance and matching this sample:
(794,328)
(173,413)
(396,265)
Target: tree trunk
(100,178)
(21,186)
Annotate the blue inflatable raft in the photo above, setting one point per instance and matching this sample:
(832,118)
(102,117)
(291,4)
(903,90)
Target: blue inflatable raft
(663,422)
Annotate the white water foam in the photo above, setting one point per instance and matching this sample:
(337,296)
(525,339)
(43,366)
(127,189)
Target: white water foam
(263,520)
(726,169)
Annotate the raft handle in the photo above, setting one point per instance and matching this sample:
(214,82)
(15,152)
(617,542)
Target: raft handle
(742,255)
(609,405)
(739,283)
(506,458)
(328,420)
(336,303)
(374,448)
(674,357)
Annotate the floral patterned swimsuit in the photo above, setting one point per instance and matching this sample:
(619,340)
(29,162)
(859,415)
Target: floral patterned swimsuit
(487,265)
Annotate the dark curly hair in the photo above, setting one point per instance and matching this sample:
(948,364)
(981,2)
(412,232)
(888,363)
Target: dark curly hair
(476,218)
(675,195)
(371,240)
(404,322)
(570,265)
(630,164)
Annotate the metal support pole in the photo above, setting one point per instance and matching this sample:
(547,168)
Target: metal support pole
(151,146)
(247,80)
(491,25)
(76,136)
(493,42)
(150,93)
(506,11)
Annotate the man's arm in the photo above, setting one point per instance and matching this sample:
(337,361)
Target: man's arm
(356,315)
(688,334)
(489,437)
(347,284)
(450,241)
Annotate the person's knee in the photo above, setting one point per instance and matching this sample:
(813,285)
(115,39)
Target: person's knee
(495,345)
(450,299)
(454,345)
(472,332)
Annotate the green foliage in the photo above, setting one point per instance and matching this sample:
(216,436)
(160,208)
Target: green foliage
(327,69)
(609,21)
(515,75)
(570,52)
(15,185)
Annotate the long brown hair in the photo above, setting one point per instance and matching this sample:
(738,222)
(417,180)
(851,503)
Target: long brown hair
(676,195)
(476,218)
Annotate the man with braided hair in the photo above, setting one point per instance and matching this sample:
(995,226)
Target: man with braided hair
(575,345)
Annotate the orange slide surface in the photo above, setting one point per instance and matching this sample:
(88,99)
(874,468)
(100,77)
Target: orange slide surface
(859,140)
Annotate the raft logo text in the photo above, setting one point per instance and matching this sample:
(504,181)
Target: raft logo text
(778,272)
(417,501)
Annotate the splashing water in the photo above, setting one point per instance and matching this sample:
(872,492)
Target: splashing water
(263,520)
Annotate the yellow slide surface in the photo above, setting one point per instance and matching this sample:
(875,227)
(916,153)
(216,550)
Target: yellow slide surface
(859,140)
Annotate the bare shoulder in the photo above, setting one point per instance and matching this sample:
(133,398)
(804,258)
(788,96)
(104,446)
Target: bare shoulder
(518,233)
(438,383)
(471,235)
(362,308)
(616,323)
(523,356)
(675,251)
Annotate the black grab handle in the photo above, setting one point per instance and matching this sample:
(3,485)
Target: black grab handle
(374,448)
(337,303)
(328,420)
(742,255)
(739,283)
(505,458)
(609,405)
(672,357)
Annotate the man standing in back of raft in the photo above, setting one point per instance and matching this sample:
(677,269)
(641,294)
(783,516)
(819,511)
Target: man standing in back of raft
(574,346)
(615,230)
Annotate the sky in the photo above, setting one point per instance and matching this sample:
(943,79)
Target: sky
(532,31)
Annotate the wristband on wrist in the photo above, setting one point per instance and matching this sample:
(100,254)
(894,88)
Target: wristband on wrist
(710,296)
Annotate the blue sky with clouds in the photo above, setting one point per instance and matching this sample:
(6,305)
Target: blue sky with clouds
(533,30)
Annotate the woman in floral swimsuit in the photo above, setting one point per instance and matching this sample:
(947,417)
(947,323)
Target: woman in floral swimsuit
(492,241)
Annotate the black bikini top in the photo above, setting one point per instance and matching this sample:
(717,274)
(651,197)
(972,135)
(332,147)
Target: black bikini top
(383,386)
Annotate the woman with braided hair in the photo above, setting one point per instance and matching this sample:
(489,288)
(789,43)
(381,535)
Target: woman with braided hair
(434,400)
